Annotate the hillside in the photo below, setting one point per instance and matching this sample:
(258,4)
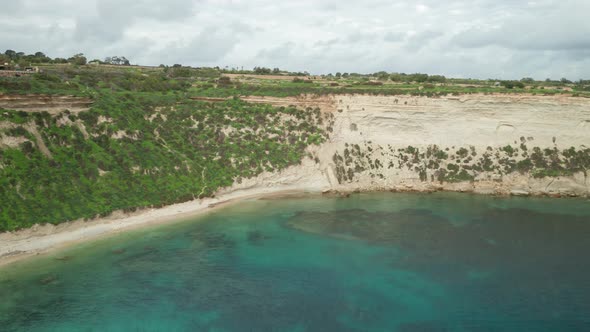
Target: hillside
(133,147)
(83,141)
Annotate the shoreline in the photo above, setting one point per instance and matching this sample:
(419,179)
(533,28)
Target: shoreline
(44,239)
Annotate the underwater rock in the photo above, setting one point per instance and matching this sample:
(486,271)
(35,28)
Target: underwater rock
(256,237)
(48,279)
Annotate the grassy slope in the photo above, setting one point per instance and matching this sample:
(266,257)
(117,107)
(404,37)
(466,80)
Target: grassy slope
(145,147)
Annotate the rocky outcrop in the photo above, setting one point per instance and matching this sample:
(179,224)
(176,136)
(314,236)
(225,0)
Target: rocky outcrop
(52,104)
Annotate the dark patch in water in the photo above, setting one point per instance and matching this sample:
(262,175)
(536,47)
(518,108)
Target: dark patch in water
(381,227)
(515,256)
(50,279)
(526,237)
(216,240)
(243,297)
(256,237)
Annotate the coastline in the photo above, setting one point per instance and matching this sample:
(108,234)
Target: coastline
(380,128)
(43,239)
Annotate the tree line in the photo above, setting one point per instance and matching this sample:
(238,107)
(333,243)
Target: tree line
(21,59)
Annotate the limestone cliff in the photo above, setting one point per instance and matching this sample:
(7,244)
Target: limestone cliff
(494,144)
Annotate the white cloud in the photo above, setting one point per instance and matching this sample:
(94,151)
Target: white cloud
(476,38)
(420,8)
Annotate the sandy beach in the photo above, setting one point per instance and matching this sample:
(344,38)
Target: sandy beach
(41,239)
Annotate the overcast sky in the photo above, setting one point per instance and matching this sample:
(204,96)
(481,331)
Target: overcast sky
(458,38)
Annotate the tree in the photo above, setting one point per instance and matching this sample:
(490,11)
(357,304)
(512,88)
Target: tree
(38,57)
(224,80)
(262,70)
(117,60)
(10,54)
(508,84)
(397,77)
(78,59)
(381,75)
(420,78)
(512,84)
(437,78)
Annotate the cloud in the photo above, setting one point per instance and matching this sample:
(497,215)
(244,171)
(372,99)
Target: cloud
(360,36)
(564,28)
(109,22)
(279,52)
(421,8)
(11,8)
(210,45)
(476,38)
(422,39)
(394,36)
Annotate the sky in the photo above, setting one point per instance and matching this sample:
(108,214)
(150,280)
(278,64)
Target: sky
(504,39)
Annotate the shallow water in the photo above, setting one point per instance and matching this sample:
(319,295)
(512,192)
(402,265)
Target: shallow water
(371,262)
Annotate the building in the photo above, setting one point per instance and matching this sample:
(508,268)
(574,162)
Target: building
(7,70)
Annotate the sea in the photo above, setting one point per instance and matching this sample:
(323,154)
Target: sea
(368,262)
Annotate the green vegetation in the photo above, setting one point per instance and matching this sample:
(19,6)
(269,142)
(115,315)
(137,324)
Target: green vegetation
(381,83)
(143,143)
(250,86)
(204,81)
(433,163)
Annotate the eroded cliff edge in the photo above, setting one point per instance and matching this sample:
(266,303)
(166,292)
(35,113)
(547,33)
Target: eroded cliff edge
(490,144)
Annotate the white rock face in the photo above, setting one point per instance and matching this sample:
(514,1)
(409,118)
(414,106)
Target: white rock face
(477,120)
(482,124)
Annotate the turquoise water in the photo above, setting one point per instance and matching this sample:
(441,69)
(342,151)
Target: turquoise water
(371,262)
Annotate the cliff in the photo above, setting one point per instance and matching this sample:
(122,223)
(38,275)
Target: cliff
(492,144)
(488,144)
(130,152)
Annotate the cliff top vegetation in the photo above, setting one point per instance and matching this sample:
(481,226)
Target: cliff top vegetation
(75,74)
